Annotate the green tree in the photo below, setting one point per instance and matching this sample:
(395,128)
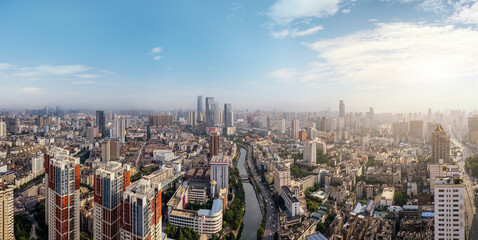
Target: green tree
(400,199)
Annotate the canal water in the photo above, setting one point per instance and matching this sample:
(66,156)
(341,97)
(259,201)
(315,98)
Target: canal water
(253,217)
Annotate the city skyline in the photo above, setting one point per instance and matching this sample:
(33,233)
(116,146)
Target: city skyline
(286,55)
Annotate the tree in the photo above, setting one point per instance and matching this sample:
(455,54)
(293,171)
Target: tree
(320,227)
(276,236)
(230,236)
(400,199)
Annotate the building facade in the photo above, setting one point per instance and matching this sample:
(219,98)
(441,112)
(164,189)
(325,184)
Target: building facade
(6,212)
(141,212)
(62,197)
(111,181)
(440,145)
(220,172)
(449,208)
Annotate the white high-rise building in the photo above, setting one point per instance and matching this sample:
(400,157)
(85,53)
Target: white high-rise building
(141,211)
(220,172)
(281,177)
(449,208)
(111,181)
(37,163)
(442,170)
(3,128)
(63,197)
(6,212)
(120,129)
(282,126)
(295,129)
(310,152)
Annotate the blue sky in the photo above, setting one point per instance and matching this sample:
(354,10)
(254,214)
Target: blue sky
(302,55)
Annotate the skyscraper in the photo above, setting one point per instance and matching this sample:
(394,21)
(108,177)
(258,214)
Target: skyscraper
(63,197)
(416,129)
(228,115)
(210,114)
(141,211)
(440,145)
(220,172)
(101,122)
(341,108)
(449,208)
(295,129)
(111,181)
(200,108)
(6,212)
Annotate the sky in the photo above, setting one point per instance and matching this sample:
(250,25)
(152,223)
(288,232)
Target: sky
(292,55)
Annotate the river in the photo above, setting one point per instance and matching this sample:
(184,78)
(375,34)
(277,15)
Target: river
(252,218)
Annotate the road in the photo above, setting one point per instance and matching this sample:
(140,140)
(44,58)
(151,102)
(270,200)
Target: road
(272,217)
(470,209)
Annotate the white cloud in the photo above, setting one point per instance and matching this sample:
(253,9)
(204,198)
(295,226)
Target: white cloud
(466,12)
(88,76)
(156,50)
(82,82)
(436,6)
(395,62)
(280,34)
(346,11)
(6,66)
(157,57)
(286,11)
(31,90)
(306,32)
(61,69)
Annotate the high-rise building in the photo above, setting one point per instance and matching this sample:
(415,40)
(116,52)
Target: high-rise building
(210,112)
(63,197)
(295,129)
(449,208)
(302,135)
(310,152)
(416,129)
(192,118)
(160,120)
(115,147)
(282,126)
(105,151)
(281,176)
(429,114)
(472,125)
(120,129)
(3,128)
(6,212)
(111,180)
(341,108)
(13,125)
(220,172)
(101,122)
(214,144)
(141,211)
(371,113)
(37,163)
(441,169)
(200,107)
(228,115)
(440,145)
